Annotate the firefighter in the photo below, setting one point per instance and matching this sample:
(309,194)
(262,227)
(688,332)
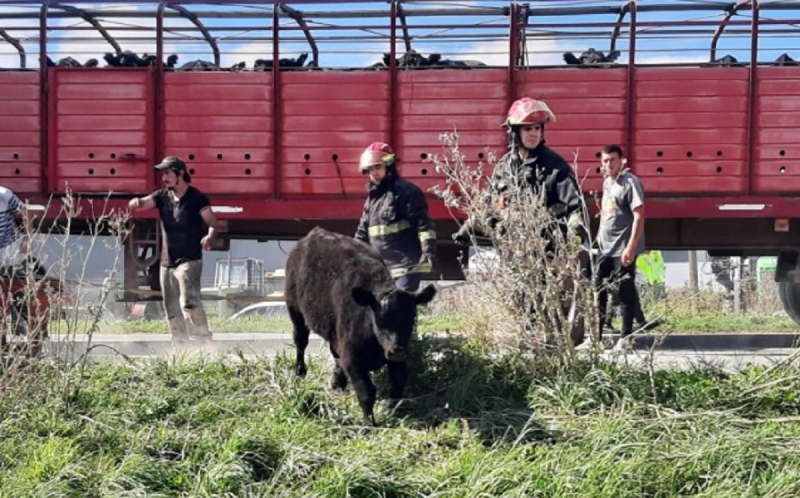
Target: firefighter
(395,219)
(529,163)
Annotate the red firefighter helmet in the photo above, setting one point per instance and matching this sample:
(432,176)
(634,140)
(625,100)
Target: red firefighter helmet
(529,111)
(376,153)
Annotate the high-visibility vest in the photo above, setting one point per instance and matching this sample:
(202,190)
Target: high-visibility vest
(651,264)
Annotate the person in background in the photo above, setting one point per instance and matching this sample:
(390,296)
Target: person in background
(620,240)
(185,213)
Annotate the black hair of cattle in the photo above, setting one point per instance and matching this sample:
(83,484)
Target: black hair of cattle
(341,289)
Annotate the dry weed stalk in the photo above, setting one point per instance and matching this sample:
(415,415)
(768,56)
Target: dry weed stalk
(535,268)
(39,300)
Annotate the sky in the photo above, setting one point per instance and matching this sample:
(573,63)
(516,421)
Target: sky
(359,40)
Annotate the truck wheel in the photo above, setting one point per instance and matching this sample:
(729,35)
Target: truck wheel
(790,298)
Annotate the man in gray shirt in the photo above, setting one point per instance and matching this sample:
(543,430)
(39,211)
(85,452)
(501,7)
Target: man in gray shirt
(620,238)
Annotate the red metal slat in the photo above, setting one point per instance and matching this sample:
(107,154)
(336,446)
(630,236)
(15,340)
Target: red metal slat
(231,155)
(102,107)
(315,139)
(89,170)
(176,92)
(320,154)
(102,123)
(778,152)
(495,108)
(550,76)
(443,123)
(363,124)
(691,120)
(243,123)
(227,108)
(89,139)
(768,74)
(688,103)
(19,108)
(324,92)
(259,186)
(730,136)
(776,184)
(324,186)
(689,168)
(700,152)
(783,119)
(690,74)
(15,92)
(9,170)
(97,91)
(473,138)
(768,86)
(23,154)
(19,139)
(68,153)
(588,122)
(245,171)
(182,139)
(698,185)
(99,186)
(459,93)
(324,170)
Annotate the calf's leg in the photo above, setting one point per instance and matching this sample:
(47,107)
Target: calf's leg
(363,387)
(398,375)
(300,334)
(339,378)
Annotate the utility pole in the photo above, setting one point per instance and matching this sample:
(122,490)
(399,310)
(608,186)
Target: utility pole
(693,283)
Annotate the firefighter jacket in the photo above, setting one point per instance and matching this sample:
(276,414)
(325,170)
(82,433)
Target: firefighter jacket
(548,175)
(395,222)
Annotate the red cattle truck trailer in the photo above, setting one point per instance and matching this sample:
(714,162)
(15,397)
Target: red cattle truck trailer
(270,104)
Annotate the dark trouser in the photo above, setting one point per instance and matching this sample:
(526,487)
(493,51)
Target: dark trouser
(638,316)
(611,274)
(409,282)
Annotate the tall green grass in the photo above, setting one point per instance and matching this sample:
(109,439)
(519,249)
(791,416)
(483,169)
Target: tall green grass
(472,425)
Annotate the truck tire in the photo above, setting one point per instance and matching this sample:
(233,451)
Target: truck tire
(790,298)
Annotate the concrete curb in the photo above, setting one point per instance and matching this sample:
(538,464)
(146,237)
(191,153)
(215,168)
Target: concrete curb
(716,342)
(251,343)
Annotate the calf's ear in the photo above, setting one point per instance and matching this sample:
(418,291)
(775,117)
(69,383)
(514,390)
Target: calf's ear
(364,297)
(425,295)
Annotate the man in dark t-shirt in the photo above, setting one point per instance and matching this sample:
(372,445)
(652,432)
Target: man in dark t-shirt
(185,212)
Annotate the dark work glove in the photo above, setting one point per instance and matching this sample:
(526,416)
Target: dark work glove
(427,263)
(461,237)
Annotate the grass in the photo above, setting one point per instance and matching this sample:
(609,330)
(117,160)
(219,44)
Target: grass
(473,426)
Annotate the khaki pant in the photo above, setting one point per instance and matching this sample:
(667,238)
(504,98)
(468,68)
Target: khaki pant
(180,286)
